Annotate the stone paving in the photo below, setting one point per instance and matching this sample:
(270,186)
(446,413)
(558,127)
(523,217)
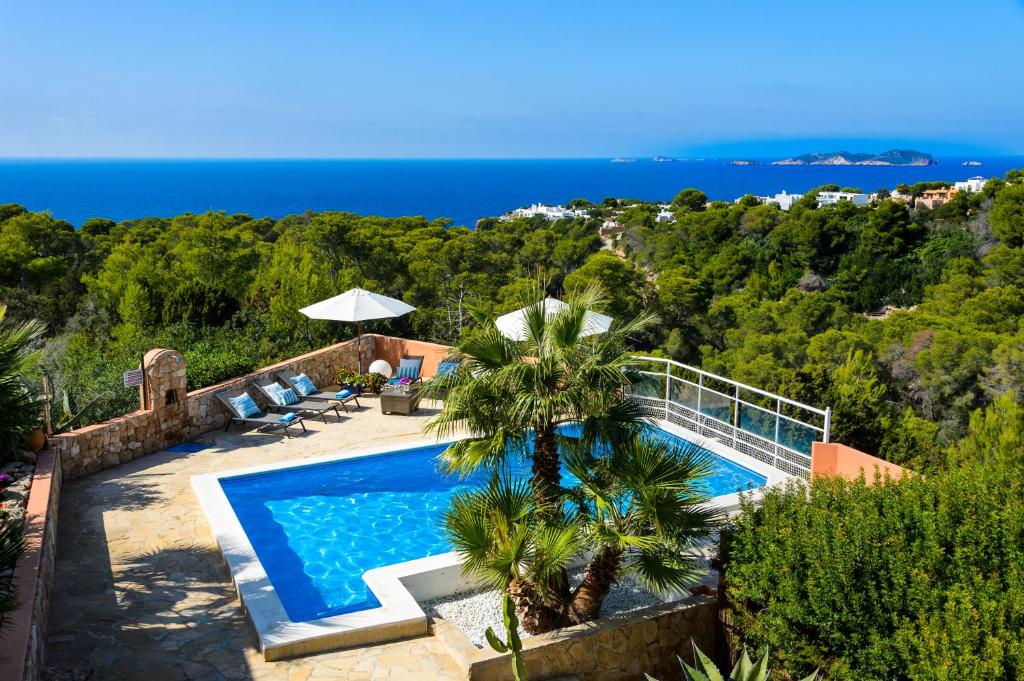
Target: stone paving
(141,592)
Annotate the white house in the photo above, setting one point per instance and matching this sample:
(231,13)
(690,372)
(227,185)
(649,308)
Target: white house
(548,212)
(665,215)
(974,184)
(784,199)
(832,198)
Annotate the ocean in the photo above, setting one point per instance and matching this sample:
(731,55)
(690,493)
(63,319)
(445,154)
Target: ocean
(463,190)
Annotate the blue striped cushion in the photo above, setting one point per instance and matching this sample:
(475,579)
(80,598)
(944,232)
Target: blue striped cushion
(445,368)
(273,391)
(289,396)
(245,405)
(408,372)
(303,385)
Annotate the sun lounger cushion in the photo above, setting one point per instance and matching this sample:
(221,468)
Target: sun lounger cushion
(275,392)
(445,368)
(409,372)
(245,405)
(289,396)
(303,385)
(414,362)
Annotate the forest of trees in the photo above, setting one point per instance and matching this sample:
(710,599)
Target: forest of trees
(781,300)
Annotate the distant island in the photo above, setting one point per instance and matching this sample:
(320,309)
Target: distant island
(971,163)
(893,157)
(623,159)
(743,162)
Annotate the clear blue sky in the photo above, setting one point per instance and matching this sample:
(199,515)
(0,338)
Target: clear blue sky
(528,79)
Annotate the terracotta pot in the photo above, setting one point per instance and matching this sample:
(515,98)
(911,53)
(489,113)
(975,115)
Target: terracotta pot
(36,441)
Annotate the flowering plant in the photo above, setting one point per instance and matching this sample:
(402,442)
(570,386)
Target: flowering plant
(6,479)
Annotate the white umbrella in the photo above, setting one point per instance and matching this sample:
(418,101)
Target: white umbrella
(357,305)
(513,324)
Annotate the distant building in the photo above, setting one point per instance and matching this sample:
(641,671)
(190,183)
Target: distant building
(974,184)
(610,228)
(665,215)
(832,198)
(784,200)
(933,198)
(548,212)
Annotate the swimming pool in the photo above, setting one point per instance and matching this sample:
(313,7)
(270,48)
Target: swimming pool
(317,528)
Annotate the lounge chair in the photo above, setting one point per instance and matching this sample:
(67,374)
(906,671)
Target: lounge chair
(319,395)
(409,367)
(262,419)
(302,405)
(437,386)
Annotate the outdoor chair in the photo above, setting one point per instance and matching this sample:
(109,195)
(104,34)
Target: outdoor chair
(409,367)
(318,395)
(279,399)
(437,386)
(265,422)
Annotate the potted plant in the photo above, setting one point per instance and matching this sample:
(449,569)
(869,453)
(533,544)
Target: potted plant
(350,380)
(373,382)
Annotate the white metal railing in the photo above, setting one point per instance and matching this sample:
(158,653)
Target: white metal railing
(680,394)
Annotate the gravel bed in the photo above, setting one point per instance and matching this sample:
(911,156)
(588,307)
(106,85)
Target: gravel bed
(14,497)
(474,612)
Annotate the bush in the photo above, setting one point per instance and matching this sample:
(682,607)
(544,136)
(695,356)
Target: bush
(915,579)
(218,359)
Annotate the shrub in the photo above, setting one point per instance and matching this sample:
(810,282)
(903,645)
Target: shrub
(218,359)
(20,407)
(915,579)
(12,546)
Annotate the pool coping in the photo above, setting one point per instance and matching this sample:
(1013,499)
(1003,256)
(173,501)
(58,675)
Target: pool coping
(399,587)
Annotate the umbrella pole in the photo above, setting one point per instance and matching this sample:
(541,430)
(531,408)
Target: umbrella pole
(359,348)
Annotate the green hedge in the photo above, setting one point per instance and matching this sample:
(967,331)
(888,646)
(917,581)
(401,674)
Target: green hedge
(917,579)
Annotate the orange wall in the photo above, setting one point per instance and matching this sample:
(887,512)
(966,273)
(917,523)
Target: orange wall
(836,459)
(391,349)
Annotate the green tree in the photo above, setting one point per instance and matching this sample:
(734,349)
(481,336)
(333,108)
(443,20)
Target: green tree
(691,199)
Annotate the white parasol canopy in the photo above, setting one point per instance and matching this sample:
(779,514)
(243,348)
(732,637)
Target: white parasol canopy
(357,305)
(513,324)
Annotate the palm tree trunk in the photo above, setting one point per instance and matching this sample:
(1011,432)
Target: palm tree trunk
(590,595)
(547,469)
(535,614)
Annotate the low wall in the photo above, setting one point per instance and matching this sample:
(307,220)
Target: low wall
(619,648)
(24,638)
(835,459)
(206,412)
(175,414)
(392,350)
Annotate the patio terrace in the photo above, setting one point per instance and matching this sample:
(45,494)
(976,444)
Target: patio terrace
(141,589)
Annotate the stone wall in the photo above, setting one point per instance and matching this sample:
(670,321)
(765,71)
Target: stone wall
(21,655)
(619,648)
(173,415)
(113,442)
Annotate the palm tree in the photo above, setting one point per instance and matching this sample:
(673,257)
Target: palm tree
(506,543)
(643,509)
(638,509)
(511,396)
(19,407)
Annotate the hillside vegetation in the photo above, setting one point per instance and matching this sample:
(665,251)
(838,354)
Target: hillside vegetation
(775,299)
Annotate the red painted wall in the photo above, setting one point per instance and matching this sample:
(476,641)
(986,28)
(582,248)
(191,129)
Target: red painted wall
(836,459)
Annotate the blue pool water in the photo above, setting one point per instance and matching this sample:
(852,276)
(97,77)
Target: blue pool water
(317,528)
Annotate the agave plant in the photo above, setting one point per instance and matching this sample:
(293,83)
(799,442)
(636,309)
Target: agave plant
(745,669)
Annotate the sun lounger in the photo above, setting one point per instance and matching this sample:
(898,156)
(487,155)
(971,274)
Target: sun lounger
(303,405)
(263,420)
(410,366)
(320,395)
